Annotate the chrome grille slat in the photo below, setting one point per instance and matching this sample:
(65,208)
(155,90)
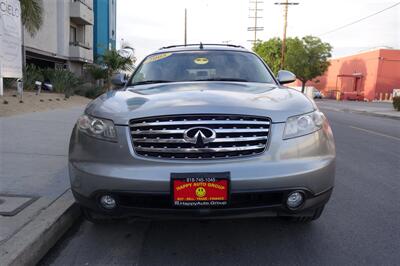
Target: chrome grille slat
(181,131)
(234,136)
(217,140)
(201,150)
(201,122)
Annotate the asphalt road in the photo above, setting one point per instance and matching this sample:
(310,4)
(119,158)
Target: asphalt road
(360,226)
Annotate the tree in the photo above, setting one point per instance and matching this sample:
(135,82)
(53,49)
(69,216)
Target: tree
(270,52)
(127,50)
(307,58)
(32,15)
(97,72)
(114,63)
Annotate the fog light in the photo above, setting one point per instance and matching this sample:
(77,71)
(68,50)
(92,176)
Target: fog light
(295,199)
(108,202)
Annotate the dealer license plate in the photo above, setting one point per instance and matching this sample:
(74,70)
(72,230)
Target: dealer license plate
(205,190)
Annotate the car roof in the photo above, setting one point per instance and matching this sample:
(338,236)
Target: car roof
(201,47)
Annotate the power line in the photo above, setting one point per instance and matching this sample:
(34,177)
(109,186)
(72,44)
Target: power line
(359,20)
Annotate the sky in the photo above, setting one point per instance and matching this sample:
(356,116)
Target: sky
(151,24)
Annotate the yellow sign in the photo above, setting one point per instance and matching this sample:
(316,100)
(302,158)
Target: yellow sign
(156,57)
(201,60)
(200,192)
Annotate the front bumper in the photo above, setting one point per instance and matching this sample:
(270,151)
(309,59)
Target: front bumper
(267,209)
(306,163)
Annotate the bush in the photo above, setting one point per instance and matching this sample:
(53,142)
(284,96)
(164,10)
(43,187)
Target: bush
(97,72)
(31,74)
(63,81)
(89,91)
(94,92)
(396,103)
(9,83)
(81,90)
(47,73)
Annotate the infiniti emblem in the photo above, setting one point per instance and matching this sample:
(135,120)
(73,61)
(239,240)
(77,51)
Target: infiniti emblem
(199,136)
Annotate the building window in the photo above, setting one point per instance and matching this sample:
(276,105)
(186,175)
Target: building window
(72,34)
(82,34)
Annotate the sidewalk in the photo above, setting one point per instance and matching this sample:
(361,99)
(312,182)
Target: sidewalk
(369,108)
(33,170)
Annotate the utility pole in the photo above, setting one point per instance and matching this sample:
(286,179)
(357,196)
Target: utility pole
(185,34)
(1,86)
(255,9)
(286,5)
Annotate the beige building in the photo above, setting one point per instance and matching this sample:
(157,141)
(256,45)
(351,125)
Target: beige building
(65,39)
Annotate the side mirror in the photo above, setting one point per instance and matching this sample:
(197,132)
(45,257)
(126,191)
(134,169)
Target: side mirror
(118,79)
(285,76)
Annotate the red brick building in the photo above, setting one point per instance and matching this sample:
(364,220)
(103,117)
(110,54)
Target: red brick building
(370,75)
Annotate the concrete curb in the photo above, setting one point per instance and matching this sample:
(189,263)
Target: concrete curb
(360,112)
(33,241)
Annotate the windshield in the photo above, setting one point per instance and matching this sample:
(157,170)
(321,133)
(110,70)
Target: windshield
(202,66)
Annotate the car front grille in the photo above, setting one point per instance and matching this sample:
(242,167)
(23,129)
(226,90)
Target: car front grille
(234,136)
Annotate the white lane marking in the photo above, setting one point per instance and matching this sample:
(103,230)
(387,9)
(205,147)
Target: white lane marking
(376,133)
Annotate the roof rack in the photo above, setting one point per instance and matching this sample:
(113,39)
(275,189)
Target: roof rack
(200,45)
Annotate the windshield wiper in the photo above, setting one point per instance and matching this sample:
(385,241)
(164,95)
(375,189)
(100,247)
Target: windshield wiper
(166,81)
(150,82)
(223,79)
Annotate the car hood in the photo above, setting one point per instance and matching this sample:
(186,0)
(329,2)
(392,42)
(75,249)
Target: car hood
(259,99)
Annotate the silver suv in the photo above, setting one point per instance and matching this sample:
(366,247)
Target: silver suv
(202,131)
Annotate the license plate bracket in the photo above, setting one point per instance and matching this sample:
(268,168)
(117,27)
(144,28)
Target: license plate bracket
(200,190)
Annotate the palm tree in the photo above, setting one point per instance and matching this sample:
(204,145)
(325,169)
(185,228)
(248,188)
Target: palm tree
(32,15)
(97,72)
(114,63)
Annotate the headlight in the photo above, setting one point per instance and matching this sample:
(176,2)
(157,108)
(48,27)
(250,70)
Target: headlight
(301,125)
(96,127)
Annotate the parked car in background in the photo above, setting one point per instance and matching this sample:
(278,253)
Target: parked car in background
(317,94)
(310,91)
(202,131)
